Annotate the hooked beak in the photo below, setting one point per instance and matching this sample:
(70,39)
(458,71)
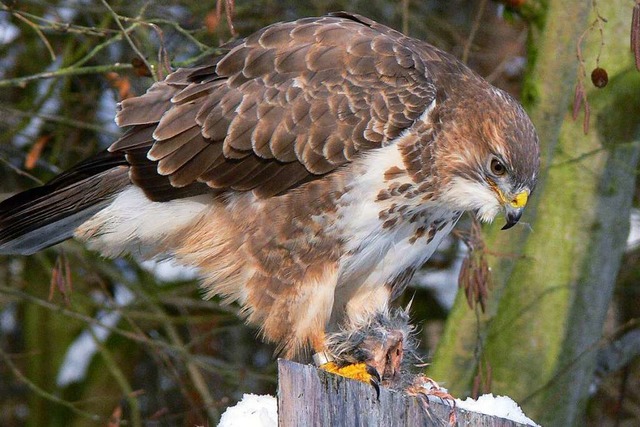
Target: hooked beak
(513,209)
(512,215)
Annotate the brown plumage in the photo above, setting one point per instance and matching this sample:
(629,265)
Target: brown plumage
(307,172)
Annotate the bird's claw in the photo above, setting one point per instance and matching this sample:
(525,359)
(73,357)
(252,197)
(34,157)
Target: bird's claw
(423,387)
(375,379)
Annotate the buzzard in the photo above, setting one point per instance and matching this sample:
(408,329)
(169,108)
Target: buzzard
(307,172)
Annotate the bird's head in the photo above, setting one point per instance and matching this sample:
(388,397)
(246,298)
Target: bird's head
(490,154)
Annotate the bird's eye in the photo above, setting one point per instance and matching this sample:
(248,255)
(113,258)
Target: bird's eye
(497,168)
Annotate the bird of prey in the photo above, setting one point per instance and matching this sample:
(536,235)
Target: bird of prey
(307,172)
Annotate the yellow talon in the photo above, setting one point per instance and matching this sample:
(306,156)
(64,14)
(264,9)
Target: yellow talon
(357,371)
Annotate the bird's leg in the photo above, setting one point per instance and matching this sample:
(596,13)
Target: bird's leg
(321,355)
(360,371)
(372,352)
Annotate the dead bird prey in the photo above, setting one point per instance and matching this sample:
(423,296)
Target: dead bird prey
(307,173)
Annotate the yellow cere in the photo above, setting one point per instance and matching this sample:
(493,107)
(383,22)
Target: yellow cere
(520,200)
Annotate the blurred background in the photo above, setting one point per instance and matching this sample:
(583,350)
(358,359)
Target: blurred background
(90,341)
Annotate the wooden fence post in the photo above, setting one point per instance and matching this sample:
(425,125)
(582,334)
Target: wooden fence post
(309,397)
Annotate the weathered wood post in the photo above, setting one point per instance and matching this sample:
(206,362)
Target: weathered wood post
(311,397)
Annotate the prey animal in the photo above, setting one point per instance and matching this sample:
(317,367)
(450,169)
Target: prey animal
(307,172)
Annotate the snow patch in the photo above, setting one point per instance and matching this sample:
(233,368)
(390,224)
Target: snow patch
(252,411)
(8,31)
(8,319)
(497,406)
(443,283)
(633,240)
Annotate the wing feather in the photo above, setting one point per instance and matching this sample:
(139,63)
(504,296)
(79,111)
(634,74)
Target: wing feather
(284,106)
(190,171)
(161,149)
(170,164)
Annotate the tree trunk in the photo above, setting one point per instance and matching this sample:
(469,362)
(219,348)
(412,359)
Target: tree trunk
(539,336)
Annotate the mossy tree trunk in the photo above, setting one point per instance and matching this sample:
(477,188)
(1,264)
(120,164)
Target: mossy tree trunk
(537,340)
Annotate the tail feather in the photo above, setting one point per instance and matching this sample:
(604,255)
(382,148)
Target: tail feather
(41,217)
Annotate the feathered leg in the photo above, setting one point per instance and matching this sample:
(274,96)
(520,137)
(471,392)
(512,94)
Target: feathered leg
(378,351)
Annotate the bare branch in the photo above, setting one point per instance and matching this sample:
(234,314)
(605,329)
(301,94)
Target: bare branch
(125,33)
(20,171)
(43,393)
(39,32)
(474,29)
(64,72)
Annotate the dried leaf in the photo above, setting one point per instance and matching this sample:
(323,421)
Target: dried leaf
(61,279)
(122,84)
(579,100)
(35,152)
(116,417)
(230,8)
(483,379)
(475,276)
(578,97)
(211,21)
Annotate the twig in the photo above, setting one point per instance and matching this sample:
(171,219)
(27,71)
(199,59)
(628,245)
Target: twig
(40,34)
(205,363)
(474,29)
(161,358)
(20,171)
(77,124)
(194,372)
(43,393)
(127,37)
(578,158)
(229,8)
(405,16)
(180,30)
(63,72)
(580,97)
(597,345)
(57,26)
(120,378)
(491,77)
(635,34)
(192,367)
(208,52)
(164,65)
(96,49)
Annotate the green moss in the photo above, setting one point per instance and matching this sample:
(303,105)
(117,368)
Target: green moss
(535,12)
(617,121)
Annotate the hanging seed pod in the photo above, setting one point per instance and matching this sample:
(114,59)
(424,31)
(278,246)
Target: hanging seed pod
(599,77)
(635,33)
(578,98)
